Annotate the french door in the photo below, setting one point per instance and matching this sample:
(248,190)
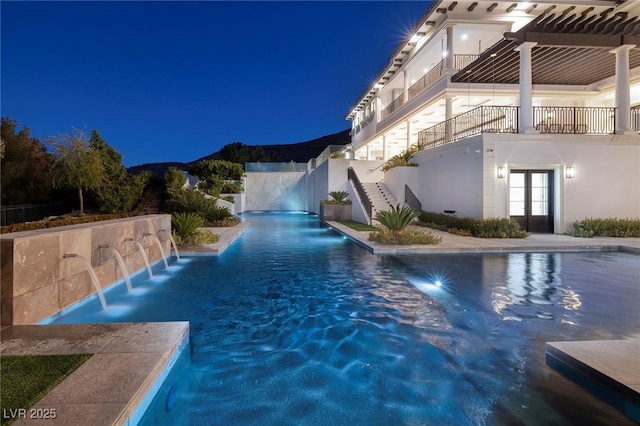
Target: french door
(531,199)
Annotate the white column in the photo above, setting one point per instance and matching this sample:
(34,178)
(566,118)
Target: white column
(623,94)
(448,114)
(406,84)
(368,152)
(409,134)
(384,147)
(378,108)
(526,95)
(449,61)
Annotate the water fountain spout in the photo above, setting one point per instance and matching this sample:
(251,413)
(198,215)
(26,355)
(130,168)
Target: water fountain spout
(159,244)
(92,274)
(144,254)
(173,243)
(123,267)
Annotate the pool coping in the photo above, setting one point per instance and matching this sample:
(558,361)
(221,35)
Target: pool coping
(610,369)
(115,386)
(456,244)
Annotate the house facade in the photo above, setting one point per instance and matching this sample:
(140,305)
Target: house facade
(522,110)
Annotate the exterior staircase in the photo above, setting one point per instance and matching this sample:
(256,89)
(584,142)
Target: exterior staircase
(380,197)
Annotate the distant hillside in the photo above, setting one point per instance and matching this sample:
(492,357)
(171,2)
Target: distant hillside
(300,152)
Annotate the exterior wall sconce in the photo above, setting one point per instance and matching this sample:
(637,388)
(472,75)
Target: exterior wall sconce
(570,172)
(502,172)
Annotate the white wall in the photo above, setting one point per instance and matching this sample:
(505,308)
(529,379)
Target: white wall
(395,179)
(368,171)
(607,182)
(451,178)
(273,191)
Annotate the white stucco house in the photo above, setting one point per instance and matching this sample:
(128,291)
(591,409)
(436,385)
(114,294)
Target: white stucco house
(528,110)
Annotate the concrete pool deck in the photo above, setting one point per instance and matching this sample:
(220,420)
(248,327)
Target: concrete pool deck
(111,388)
(130,358)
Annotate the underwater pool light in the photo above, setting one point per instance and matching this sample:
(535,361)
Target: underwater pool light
(438,283)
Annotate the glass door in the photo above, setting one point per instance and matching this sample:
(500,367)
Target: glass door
(531,199)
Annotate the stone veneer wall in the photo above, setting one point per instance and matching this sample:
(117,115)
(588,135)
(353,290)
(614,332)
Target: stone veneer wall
(36,281)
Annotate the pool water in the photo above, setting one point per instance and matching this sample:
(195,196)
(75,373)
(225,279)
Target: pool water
(297,325)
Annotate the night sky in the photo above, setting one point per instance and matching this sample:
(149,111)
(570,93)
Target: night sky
(175,81)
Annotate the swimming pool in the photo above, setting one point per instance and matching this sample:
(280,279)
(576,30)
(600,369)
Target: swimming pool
(296,325)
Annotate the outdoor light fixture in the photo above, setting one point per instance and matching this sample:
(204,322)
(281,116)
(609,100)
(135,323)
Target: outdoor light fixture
(502,172)
(570,172)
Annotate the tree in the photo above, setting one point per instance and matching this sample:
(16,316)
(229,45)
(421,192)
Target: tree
(238,152)
(119,191)
(75,164)
(24,176)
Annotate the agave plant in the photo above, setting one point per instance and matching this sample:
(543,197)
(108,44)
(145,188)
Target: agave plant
(186,224)
(339,196)
(397,218)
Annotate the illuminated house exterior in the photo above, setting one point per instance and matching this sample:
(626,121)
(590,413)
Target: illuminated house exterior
(522,110)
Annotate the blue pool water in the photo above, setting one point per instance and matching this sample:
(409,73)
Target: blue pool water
(296,325)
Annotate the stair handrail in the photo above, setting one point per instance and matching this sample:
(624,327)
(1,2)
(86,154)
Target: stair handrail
(411,199)
(364,198)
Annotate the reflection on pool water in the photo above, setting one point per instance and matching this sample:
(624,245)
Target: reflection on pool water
(296,325)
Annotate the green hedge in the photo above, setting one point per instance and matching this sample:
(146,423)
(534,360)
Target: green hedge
(481,228)
(609,227)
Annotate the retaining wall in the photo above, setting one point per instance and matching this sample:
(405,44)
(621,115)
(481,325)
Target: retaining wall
(37,281)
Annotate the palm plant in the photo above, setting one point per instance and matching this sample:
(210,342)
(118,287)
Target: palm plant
(397,218)
(186,224)
(339,196)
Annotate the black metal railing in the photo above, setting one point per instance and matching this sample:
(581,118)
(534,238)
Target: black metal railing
(580,120)
(484,119)
(411,199)
(635,118)
(364,198)
(20,213)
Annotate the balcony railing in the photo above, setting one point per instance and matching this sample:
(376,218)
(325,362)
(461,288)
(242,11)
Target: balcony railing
(461,61)
(484,119)
(427,80)
(392,107)
(581,120)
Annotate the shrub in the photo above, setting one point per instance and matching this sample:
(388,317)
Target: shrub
(186,225)
(386,236)
(397,218)
(498,228)
(216,213)
(224,223)
(481,228)
(200,238)
(61,221)
(337,197)
(231,187)
(402,159)
(609,227)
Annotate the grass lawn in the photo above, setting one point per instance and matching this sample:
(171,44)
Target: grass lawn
(357,226)
(24,379)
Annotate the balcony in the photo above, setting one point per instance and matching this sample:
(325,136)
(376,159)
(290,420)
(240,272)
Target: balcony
(426,81)
(504,119)
(484,119)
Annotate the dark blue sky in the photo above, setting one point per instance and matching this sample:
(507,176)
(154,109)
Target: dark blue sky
(175,81)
